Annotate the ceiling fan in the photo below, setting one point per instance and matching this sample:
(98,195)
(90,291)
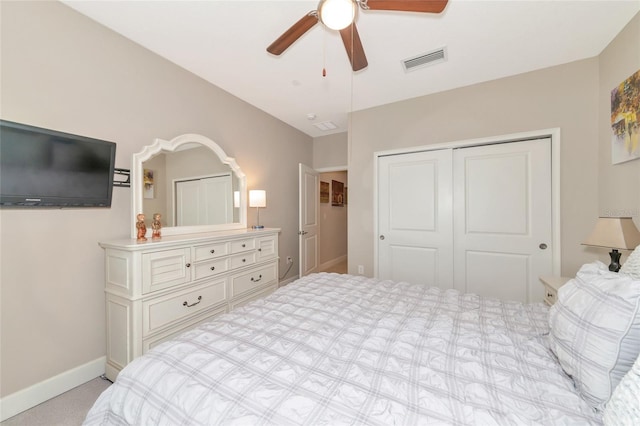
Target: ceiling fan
(340,14)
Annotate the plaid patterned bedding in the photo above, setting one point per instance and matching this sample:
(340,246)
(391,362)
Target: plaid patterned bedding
(348,350)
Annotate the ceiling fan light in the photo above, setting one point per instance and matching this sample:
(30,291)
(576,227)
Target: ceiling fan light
(337,14)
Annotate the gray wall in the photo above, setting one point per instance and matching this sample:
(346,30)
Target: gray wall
(619,185)
(63,71)
(573,97)
(330,151)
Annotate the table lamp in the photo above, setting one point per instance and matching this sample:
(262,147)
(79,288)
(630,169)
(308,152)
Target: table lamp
(257,199)
(614,233)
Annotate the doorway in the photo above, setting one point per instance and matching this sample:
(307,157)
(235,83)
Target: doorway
(324,202)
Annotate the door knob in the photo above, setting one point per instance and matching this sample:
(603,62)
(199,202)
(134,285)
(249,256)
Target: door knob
(382,237)
(542,246)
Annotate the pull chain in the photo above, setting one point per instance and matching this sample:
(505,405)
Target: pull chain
(324,53)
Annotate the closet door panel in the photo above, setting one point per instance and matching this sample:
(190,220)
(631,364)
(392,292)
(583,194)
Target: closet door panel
(502,204)
(414,218)
(487,273)
(413,264)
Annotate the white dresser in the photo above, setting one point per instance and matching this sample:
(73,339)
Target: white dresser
(158,289)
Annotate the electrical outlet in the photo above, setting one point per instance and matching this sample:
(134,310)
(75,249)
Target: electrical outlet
(289,260)
(361,269)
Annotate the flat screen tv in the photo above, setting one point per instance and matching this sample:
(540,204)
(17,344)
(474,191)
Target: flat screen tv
(46,168)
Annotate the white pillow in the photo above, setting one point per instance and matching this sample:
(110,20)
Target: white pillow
(595,330)
(624,406)
(632,265)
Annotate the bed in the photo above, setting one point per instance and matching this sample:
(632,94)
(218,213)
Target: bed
(334,349)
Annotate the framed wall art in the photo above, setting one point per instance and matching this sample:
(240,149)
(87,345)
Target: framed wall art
(148,183)
(625,120)
(337,189)
(324,192)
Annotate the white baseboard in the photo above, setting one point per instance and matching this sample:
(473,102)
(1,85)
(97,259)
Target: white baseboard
(36,394)
(332,262)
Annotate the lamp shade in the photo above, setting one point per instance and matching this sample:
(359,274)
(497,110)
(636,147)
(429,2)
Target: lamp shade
(257,198)
(615,233)
(337,14)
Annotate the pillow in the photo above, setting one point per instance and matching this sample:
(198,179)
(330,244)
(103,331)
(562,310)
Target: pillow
(632,265)
(595,330)
(624,406)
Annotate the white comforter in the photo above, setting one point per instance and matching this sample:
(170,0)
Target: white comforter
(344,350)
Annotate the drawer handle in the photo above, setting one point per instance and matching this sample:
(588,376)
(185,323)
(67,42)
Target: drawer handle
(549,294)
(254,280)
(244,245)
(188,265)
(212,251)
(259,249)
(244,260)
(185,303)
(213,268)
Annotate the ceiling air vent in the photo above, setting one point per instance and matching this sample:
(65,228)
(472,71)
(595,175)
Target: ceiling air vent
(426,59)
(326,126)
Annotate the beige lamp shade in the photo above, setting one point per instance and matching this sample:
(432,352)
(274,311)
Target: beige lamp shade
(257,198)
(615,233)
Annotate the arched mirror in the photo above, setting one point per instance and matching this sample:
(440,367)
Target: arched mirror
(192,183)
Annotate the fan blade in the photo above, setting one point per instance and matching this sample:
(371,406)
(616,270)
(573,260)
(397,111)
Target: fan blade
(426,6)
(355,51)
(294,33)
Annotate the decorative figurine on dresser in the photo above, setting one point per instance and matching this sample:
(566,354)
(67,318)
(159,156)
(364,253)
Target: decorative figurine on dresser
(141,227)
(155,291)
(156,225)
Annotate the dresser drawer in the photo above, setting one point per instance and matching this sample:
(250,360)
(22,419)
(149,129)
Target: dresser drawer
(209,269)
(251,280)
(241,260)
(239,246)
(163,269)
(151,342)
(550,295)
(267,247)
(253,296)
(210,251)
(163,311)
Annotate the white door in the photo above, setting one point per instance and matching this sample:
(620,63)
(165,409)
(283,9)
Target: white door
(218,200)
(205,201)
(502,225)
(415,218)
(188,203)
(309,188)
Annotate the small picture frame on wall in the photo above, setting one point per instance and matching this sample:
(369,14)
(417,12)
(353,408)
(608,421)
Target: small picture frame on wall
(148,183)
(337,189)
(324,192)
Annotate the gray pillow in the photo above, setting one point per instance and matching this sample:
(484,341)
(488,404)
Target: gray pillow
(595,330)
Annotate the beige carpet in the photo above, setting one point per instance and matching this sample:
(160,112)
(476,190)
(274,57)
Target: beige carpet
(68,409)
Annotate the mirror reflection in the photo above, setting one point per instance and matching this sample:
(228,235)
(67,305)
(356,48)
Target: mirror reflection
(191,187)
(192,183)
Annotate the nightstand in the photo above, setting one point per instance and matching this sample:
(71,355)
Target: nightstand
(551,286)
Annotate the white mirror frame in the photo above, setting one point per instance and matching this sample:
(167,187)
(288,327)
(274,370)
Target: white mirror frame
(171,146)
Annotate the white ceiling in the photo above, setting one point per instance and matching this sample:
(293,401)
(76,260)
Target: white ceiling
(224,42)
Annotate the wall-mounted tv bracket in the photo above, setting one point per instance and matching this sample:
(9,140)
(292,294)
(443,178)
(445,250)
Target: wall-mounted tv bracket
(123,183)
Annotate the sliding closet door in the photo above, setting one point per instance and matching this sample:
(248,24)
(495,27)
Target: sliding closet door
(414,218)
(205,201)
(502,221)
